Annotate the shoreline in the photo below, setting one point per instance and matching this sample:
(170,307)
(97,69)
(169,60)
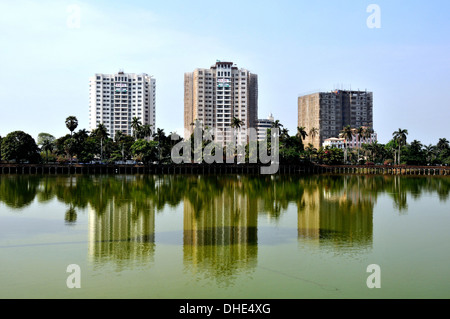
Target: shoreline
(221,169)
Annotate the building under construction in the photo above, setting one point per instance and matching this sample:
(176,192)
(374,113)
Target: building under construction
(327,113)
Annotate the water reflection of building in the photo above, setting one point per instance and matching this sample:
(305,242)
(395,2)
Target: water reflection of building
(122,232)
(220,236)
(343,218)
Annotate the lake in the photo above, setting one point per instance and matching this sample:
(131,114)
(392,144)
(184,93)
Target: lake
(241,237)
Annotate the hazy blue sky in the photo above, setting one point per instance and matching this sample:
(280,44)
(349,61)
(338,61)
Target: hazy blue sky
(293,46)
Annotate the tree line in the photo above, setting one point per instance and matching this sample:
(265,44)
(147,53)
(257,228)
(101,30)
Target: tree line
(147,146)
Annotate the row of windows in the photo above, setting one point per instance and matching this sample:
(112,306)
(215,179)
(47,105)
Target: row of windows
(118,78)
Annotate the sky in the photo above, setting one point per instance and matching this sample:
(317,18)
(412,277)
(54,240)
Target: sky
(49,49)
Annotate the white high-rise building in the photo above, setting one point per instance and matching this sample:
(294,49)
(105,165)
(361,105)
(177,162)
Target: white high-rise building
(216,95)
(115,99)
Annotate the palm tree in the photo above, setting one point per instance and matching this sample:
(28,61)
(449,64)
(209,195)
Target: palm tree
(313,132)
(284,133)
(147,130)
(71,123)
(347,134)
(101,132)
(430,150)
(442,144)
(301,133)
(119,138)
(416,145)
(136,125)
(310,150)
(47,145)
(160,135)
(277,124)
(360,132)
(400,138)
(236,123)
(144,131)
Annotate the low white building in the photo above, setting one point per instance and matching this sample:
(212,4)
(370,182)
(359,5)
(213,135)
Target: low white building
(355,142)
(334,142)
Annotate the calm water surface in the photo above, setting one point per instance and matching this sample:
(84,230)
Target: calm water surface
(140,236)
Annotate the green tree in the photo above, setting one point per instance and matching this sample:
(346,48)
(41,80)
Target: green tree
(123,144)
(443,151)
(101,133)
(136,126)
(160,136)
(415,154)
(347,134)
(310,151)
(144,131)
(313,132)
(430,153)
(42,137)
(442,144)
(284,134)
(277,124)
(301,134)
(69,147)
(59,145)
(47,146)
(46,142)
(360,133)
(330,156)
(400,137)
(19,146)
(71,123)
(147,151)
(236,123)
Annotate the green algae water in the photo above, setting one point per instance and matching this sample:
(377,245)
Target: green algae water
(143,236)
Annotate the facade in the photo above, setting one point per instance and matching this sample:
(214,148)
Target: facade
(214,96)
(114,99)
(330,112)
(263,126)
(355,142)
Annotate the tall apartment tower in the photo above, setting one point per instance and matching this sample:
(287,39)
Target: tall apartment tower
(115,99)
(330,112)
(216,95)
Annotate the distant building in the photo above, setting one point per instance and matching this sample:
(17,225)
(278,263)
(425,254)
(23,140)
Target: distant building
(114,99)
(330,112)
(334,142)
(356,142)
(263,126)
(216,95)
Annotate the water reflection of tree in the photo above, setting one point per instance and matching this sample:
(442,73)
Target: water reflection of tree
(273,193)
(71,216)
(18,191)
